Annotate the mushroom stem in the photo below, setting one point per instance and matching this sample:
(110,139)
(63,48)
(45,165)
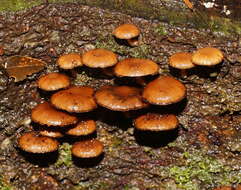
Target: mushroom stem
(133,42)
(183,73)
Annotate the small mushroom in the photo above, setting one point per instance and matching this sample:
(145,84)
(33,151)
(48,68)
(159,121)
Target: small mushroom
(164,90)
(120,98)
(156,122)
(75,99)
(128,32)
(70,61)
(207,56)
(53,81)
(181,61)
(51,133)
(46,114)
(84,127)
(87,148)
(34,143)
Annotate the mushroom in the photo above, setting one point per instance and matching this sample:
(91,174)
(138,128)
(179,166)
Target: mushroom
(69,61)
(84,127)
(46,114)
(156,122)
(181,61)
(207,56)
(74,99)
(51,133)
(53,81)
(135,67)
(164,90)
(34,143)
(128,32)
(87,148)
(120,98)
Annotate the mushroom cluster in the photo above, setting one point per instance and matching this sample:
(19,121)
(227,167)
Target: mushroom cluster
(59,116)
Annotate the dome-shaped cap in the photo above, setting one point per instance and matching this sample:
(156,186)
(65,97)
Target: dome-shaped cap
(135,67)
(46,114)
(207,56)
(87,148)
(120,98)
(84,127)
(126,31)
(53,81)
(181,60)
(156,122)
(69,61)
(53,134)
(34,143)
(99,58)
(164,90)
(75,99)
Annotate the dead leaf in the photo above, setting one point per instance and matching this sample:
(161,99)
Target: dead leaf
(19,67)
(189,4)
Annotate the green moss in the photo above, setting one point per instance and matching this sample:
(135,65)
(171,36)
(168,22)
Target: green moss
(4,185)
(65,156)
(90,186)
(200,169)
(16,5)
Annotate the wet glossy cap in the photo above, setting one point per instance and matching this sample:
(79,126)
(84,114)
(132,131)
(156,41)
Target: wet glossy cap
(164,90)
(120,98)
(207,56)
(126,31)
(99,58)
(87,148)
(53,134)
(134,67)
(156,122)
(69,61)
(75,99)
(46,114)
(53,81)
(34,143)
(224,188)
(181,60)
(84,127)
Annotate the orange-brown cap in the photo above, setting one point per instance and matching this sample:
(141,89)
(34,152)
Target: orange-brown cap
(164,90)
(126,31)
(181,60)
(46,114)
(84,127)
(53,81)
(135,67)
(207,56)
(53,134)
(69,61)
(120,98)
(32,142)
(99,58)
(87,148)
(75,99)
(223,188)
(156,122)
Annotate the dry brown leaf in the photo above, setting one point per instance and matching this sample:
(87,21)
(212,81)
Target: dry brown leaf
(189,4)
(19,67)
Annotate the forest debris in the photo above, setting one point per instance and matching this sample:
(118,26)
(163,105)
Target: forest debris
(19,67)
(189,4)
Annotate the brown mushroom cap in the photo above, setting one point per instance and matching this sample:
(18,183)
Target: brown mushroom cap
(84,127)
(126,31)
(99,58)
(134,67)
(181,60)
(156,122)
(53,134)
(53,81)
(69,61)
(207,56)
(75,99)
(164,90)
(32,142)
(87,148)
(120,98)
(223,188)
(46,114)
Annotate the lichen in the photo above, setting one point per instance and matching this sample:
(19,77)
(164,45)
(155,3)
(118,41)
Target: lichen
(65,156)
(16,5)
